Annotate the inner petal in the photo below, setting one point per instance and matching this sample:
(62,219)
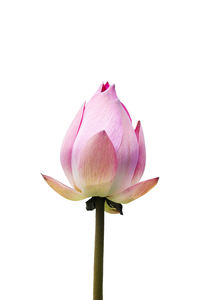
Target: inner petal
(105,87)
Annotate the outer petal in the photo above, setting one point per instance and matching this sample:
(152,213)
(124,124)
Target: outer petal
(127,156)
(66,149)
(63,190)
(126,110)
(139,170)
(96,166)
(134,191)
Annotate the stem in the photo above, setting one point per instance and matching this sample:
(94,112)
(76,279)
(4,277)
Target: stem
(98,250)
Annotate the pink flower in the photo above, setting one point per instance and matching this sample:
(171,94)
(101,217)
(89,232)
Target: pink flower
(102,155)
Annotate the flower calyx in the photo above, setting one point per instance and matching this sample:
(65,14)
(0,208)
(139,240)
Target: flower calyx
(91,204)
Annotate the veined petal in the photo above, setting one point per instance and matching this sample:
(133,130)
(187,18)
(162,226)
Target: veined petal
(139,170)
(95,167)
(66,149)
(102,112)
(63,190)
(127,156)
(134,191)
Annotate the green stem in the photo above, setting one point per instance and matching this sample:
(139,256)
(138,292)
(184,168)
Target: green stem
(98,250)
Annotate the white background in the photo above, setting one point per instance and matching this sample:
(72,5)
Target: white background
(54,55)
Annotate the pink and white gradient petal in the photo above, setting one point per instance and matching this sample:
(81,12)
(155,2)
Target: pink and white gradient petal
(95,168)
(68,142)
(134,191)
(127,156)
(139,170)
(102,112)
(63,190)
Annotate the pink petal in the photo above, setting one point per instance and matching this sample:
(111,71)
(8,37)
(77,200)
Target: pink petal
(134,191)
(127,156)
(95,166)
(142,154)
(66,149)
(63,190)
(126,110)
(102,112)
(105,87)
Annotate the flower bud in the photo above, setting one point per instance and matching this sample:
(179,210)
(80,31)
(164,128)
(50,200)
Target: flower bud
(102,155)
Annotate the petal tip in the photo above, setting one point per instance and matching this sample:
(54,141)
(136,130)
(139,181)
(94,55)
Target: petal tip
(112,88)
(105,87)
(44,176)
(103,132)
(139,123)
(109,89)
(138,126)
(156,179)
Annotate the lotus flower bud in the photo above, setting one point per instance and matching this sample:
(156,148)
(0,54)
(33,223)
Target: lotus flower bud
(102,155)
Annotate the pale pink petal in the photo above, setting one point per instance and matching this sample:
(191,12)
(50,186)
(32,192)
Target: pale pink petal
(139,170)
(102,112)
(66,149)
(63,190)
(96,166)
(134,191)
(127,156)
(126,110)
(110,210)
